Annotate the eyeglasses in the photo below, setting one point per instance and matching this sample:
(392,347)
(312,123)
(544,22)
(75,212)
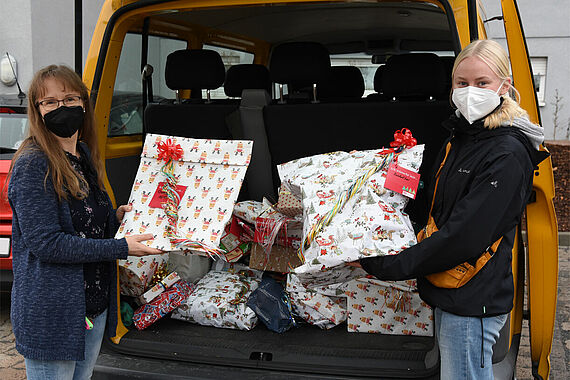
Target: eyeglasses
(51,104)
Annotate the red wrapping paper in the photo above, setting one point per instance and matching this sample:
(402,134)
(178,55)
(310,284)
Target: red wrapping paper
(167,301)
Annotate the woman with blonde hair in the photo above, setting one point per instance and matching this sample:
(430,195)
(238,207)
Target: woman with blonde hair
(64,256)
(478,193)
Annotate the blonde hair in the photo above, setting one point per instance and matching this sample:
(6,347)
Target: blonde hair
(66,180)
(497,59)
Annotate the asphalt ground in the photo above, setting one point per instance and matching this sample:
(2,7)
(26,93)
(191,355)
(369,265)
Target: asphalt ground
(12,364)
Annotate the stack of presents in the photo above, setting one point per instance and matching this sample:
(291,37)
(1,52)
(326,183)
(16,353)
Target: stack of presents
(233,265)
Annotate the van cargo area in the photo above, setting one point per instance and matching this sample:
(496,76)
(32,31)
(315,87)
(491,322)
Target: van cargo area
(404,53)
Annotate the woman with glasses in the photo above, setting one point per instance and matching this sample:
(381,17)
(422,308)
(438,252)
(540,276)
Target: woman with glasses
(64,256)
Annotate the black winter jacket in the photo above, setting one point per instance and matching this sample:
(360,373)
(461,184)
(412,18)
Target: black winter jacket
(483,189)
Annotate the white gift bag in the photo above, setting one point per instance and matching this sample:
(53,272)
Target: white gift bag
(204,177)
(370,223)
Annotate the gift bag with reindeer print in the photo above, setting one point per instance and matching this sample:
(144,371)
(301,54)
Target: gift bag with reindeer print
(184,192)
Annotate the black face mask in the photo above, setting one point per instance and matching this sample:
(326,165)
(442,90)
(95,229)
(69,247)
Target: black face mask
(64,121)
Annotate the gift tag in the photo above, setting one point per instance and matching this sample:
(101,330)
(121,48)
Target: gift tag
(402,180)
(159,197)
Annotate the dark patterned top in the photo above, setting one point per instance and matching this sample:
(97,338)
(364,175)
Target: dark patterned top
(89,216)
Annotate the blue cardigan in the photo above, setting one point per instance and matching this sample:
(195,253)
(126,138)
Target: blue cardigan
(48,297)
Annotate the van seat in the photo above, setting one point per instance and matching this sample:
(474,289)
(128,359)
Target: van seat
(194,70)
(379,94)
(300,130)
(299,65)
(344,83)
(414,76)
(246,76)
(448,62)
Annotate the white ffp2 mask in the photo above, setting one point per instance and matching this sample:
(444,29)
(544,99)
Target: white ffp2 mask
(475,103)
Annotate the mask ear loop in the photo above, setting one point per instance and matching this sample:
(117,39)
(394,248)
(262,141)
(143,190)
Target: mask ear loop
(501,87)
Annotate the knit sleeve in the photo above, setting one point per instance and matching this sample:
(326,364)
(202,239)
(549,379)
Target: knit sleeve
(38,213)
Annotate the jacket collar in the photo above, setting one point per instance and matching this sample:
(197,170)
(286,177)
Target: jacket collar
(459,126)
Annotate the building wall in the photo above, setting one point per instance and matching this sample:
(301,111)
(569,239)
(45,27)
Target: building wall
(15,38)
(39,32)
(547,33)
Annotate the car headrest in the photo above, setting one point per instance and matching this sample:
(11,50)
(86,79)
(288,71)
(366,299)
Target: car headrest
(414,75)
(378,79)
(342,82)
(246,76)
(448,62)
(299,63)
(194,69)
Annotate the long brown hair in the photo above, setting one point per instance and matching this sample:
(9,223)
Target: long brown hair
(66,180)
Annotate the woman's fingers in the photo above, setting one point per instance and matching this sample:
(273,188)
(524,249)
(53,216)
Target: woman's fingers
(122,210)
(136,248)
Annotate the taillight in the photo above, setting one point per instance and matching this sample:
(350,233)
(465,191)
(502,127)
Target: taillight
(6,110)
(5,210)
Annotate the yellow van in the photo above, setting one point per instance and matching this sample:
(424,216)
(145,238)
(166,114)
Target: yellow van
(290,108)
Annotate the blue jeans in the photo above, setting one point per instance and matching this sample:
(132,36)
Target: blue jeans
(460,346)
(70,369)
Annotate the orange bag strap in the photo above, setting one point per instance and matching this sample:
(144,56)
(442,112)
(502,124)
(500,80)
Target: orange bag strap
(447,149)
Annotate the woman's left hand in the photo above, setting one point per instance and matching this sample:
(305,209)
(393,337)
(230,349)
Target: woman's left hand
(355,264)
(122,210)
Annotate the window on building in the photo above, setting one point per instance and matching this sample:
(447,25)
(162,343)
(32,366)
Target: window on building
(539,70)
(230,57)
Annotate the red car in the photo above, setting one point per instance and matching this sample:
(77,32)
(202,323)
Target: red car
(13,130)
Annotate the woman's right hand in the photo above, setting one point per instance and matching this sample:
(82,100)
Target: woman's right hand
(136,248)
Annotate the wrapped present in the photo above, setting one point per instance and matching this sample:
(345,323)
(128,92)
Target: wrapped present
(159,287)
(348,214)
(220,300)
(317,309)
(278,259)
(163,304)
(184,192)
(272,306)
(295,285)
(250,210)
(236,268)
(287,203)
(189,268)
(236,240)
(374,308)
(136,273)
(276,228)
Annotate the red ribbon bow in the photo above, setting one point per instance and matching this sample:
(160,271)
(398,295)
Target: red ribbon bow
(403,137)
(168,151)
